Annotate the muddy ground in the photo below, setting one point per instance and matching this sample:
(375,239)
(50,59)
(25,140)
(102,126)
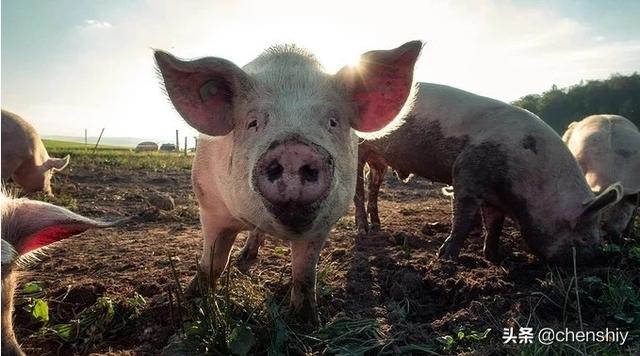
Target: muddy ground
(392,276)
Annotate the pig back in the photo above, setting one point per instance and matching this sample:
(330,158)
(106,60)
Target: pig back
(20,143)
(444,121)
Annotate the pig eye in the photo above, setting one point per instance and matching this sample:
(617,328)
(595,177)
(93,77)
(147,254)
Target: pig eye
(252,124)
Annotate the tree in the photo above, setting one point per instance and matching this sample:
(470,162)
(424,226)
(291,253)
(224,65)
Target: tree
(618,95)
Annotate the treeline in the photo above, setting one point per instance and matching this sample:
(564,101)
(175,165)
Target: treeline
(559,107)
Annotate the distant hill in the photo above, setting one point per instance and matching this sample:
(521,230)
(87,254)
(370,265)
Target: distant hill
(618,95)
(129,142)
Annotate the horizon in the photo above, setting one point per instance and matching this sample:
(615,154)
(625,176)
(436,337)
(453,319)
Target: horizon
(91,65)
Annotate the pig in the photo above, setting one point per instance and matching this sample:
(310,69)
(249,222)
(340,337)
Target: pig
(277,151)
(607,148)
(501,161)
(27,226)
(24,157)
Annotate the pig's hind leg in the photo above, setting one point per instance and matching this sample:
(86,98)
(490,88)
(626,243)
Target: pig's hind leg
(249,252)
(358,201)
(493,220)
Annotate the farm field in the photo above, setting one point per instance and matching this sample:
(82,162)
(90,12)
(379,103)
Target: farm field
(120,291)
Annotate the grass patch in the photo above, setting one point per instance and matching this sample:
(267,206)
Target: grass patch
(117,157)
(80,332)
(242,317)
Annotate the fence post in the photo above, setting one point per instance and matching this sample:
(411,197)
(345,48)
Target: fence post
(98,142)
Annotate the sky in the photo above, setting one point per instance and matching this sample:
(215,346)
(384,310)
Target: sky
(68,65)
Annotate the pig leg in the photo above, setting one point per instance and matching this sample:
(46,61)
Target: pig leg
(249,252)
(493,222)
(218,241)
(358,201)
(305,255)
(465,208)
(378,170)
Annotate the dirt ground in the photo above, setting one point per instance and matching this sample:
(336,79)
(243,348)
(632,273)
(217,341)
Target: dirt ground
(393,276)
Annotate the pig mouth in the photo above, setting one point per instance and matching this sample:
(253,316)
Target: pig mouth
(297,217)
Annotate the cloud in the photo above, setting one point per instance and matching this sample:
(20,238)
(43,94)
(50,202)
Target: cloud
(96,24)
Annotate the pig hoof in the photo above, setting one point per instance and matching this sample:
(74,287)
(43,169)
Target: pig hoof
(306,317)
(492,256)
(246,259)
(448,252)
(196,286)
(193,289)
(375,228)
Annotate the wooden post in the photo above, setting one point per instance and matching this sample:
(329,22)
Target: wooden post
(177,142)
(98,142)
(185,146)
(195,142)
(85,139)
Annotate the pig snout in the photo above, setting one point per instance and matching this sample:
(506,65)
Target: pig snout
(293,177)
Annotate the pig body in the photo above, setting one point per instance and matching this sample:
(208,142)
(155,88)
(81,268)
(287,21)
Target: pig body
(278,153)
(27,226)
(501,161)
(24,157)
(607,147)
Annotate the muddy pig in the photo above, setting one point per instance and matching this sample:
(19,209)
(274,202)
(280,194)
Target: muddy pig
(607,147)
(28,225)
(24,158)
(277,151)
(501,161)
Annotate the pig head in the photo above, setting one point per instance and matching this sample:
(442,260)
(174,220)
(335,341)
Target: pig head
(607,148)
(278,149)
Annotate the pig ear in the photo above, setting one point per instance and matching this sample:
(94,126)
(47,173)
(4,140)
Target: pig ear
(610,196)
(380,84)
(203,90)
(28,224)
(57,164)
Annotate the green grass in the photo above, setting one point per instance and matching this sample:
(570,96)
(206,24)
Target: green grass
(117,157)
(66,145)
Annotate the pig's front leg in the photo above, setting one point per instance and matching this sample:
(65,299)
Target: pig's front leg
(219,234)
(305,254)
(358,201)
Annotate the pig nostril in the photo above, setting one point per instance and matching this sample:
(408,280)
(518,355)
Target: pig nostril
(274,171)
(308,174)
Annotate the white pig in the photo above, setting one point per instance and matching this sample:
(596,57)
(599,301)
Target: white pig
(607,147)
(277,150)
(502,161)
(24,157)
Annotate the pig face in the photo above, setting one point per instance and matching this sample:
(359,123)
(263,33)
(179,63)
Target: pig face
(583,232)
(38,178)
(288,127)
